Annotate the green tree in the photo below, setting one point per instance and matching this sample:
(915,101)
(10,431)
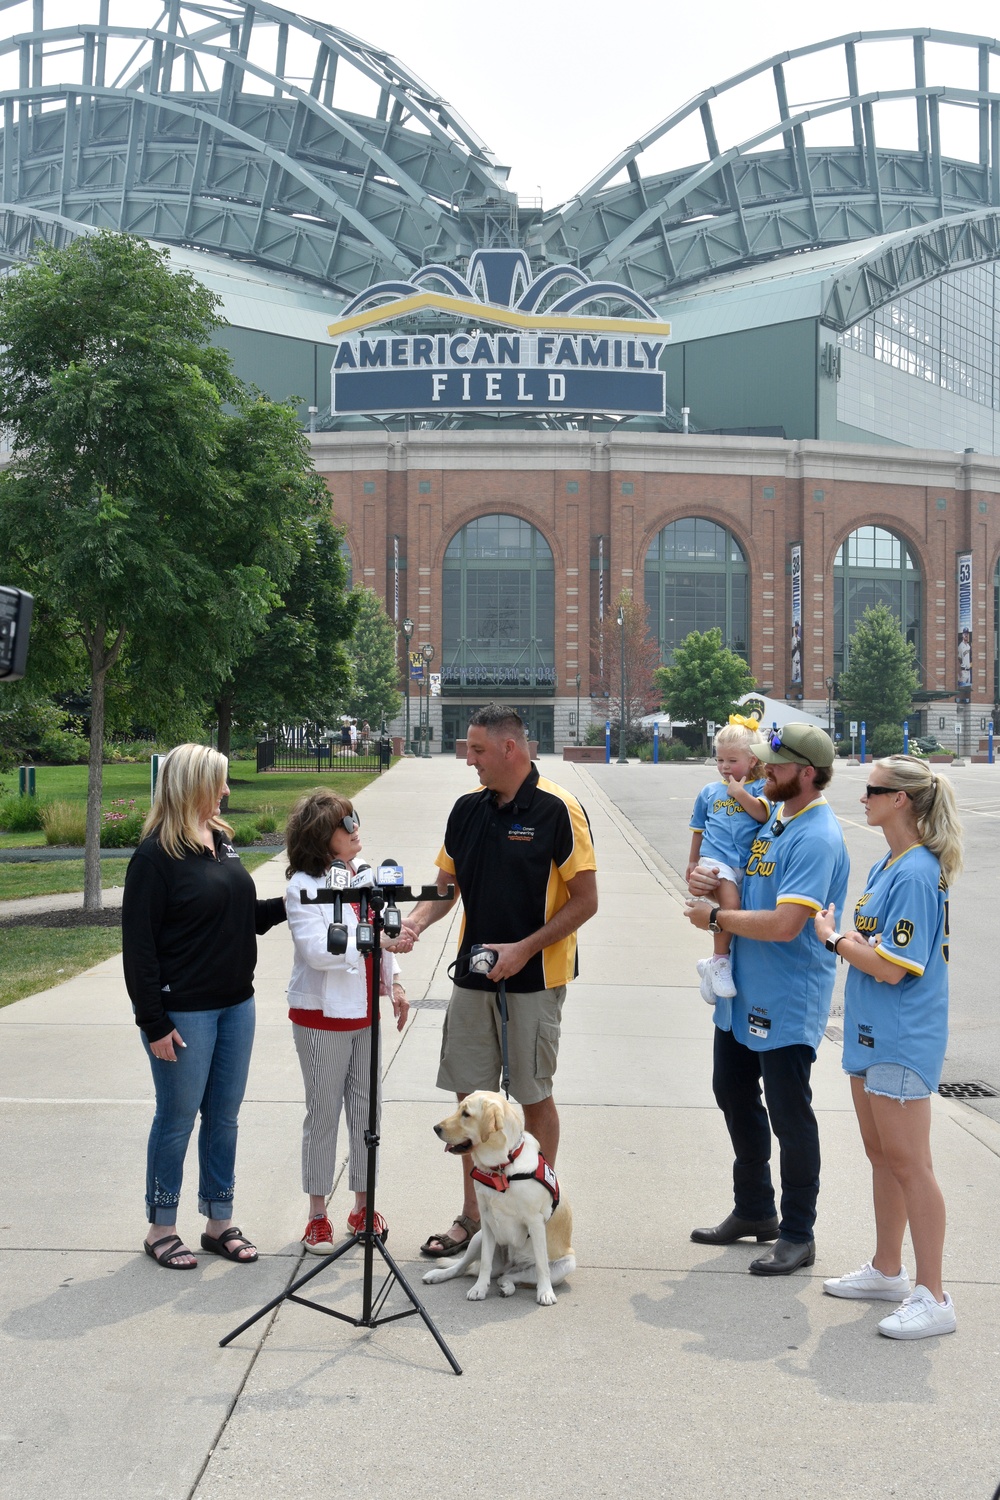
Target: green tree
(880,679)
(705,682)
(113,400)
(374,693)
(298,666)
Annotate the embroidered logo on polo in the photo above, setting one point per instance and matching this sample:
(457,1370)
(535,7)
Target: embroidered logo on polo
(902,933)
(229,851)
(518,833)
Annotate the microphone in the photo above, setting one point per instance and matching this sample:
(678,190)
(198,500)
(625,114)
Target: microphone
(336,933)
(363,878)
(390,874)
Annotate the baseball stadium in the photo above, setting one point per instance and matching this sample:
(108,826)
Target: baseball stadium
(753,379)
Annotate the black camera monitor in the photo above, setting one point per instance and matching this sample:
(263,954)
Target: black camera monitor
(15,620)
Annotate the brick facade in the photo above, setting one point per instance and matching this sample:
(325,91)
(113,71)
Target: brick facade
(576,486)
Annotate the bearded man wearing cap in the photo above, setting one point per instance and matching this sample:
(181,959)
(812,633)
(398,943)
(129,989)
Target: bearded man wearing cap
(798,866)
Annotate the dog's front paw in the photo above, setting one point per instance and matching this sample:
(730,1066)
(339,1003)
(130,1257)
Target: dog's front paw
(506,1287)
(436,1275)
(477,1293)
(545,1297)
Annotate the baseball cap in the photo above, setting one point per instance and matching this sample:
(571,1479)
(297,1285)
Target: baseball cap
(796,745)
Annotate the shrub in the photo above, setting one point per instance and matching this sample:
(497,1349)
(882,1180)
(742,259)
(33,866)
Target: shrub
(675,750)
(21,815)
(58,747)
(65,823)
(245,834)
(121,824)
(885,739)
(266,820)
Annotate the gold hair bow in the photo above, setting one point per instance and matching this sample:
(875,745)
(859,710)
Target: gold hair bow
(747,723)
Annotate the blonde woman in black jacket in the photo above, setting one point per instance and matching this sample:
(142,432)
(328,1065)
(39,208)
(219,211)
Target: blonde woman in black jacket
(190,920)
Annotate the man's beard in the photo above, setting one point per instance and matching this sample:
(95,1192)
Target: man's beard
(790,790)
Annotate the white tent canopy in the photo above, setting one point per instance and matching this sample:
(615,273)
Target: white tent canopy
(770,711)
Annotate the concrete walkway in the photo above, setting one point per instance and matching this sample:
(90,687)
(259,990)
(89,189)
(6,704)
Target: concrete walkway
(664,1369)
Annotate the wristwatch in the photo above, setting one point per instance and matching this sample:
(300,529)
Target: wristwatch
(713,925)
(833,940)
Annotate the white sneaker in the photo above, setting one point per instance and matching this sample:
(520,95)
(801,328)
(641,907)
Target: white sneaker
(705,975)
(870,1285)
(921,1316)
(722,978)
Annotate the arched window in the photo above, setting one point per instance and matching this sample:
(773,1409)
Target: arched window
(696,579)
(874,566)
(498,608)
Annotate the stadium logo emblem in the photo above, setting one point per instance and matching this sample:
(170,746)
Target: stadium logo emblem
(522,343)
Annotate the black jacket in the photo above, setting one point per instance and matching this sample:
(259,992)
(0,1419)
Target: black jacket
(189,932)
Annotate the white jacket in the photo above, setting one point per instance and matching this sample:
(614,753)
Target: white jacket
(331,982)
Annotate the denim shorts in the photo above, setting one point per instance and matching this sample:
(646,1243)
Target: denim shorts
(893,1081)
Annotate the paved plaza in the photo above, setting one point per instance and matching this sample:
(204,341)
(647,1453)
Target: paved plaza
(663,1370)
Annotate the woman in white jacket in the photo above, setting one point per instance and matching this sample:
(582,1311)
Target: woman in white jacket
(329,1007)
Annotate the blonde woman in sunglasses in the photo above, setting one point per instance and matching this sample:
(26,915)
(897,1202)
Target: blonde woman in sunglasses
(895,1032)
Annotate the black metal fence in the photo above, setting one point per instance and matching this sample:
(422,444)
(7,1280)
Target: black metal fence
(325,756)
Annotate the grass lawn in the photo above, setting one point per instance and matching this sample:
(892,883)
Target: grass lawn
(36,958)
(54,877)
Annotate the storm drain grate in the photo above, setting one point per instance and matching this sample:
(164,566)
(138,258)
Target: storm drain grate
(967,1091)
(428,1004)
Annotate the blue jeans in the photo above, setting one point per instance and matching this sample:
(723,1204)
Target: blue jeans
(736,1082)
(210,1075)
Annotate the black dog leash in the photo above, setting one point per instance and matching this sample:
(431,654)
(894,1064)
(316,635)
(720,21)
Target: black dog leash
(501,1000)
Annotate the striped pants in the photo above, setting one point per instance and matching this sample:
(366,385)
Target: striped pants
(335,1070)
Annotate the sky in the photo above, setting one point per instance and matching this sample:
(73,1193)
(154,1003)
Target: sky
(557,89)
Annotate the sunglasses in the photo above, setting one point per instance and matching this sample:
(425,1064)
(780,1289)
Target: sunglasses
(777,743)
(350,822)
(880,791)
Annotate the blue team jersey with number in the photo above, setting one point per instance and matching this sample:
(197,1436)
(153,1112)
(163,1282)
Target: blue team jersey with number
(727,829)
(904,907)
(784,989)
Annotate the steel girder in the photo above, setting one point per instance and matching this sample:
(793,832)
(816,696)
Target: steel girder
(908,261)
(753,202)
(234,128)
(201,139)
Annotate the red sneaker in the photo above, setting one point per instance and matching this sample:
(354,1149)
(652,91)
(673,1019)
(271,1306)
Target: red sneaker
(356,1223)
(318,1237)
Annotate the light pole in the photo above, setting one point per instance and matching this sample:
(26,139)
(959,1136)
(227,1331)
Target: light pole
(622,757)
(577,708)
(407,631)
(829,705)
(427,652)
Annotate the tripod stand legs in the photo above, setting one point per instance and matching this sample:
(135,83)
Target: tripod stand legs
(369,1317)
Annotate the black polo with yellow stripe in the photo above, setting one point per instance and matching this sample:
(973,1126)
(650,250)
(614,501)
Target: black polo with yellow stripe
(512,865)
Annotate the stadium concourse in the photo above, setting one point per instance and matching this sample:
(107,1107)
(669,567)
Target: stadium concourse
(664,1367)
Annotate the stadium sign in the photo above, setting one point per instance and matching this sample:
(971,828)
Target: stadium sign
(507,355)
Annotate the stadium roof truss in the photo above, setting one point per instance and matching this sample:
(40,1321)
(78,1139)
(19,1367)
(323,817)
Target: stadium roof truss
(245,130)
(195,130)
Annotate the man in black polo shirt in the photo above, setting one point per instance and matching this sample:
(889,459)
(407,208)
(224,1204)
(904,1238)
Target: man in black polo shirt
(520,854)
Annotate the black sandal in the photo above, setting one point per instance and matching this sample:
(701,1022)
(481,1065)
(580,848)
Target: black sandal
(168,1258)
(223,1245)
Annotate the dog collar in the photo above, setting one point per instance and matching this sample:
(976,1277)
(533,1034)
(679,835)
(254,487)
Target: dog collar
(497,1178)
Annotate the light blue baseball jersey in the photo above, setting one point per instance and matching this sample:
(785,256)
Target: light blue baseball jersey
(905,908)
(784,989)
(727,829)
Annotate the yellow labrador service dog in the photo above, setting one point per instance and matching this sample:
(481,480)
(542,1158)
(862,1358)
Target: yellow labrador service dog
(519,1202)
